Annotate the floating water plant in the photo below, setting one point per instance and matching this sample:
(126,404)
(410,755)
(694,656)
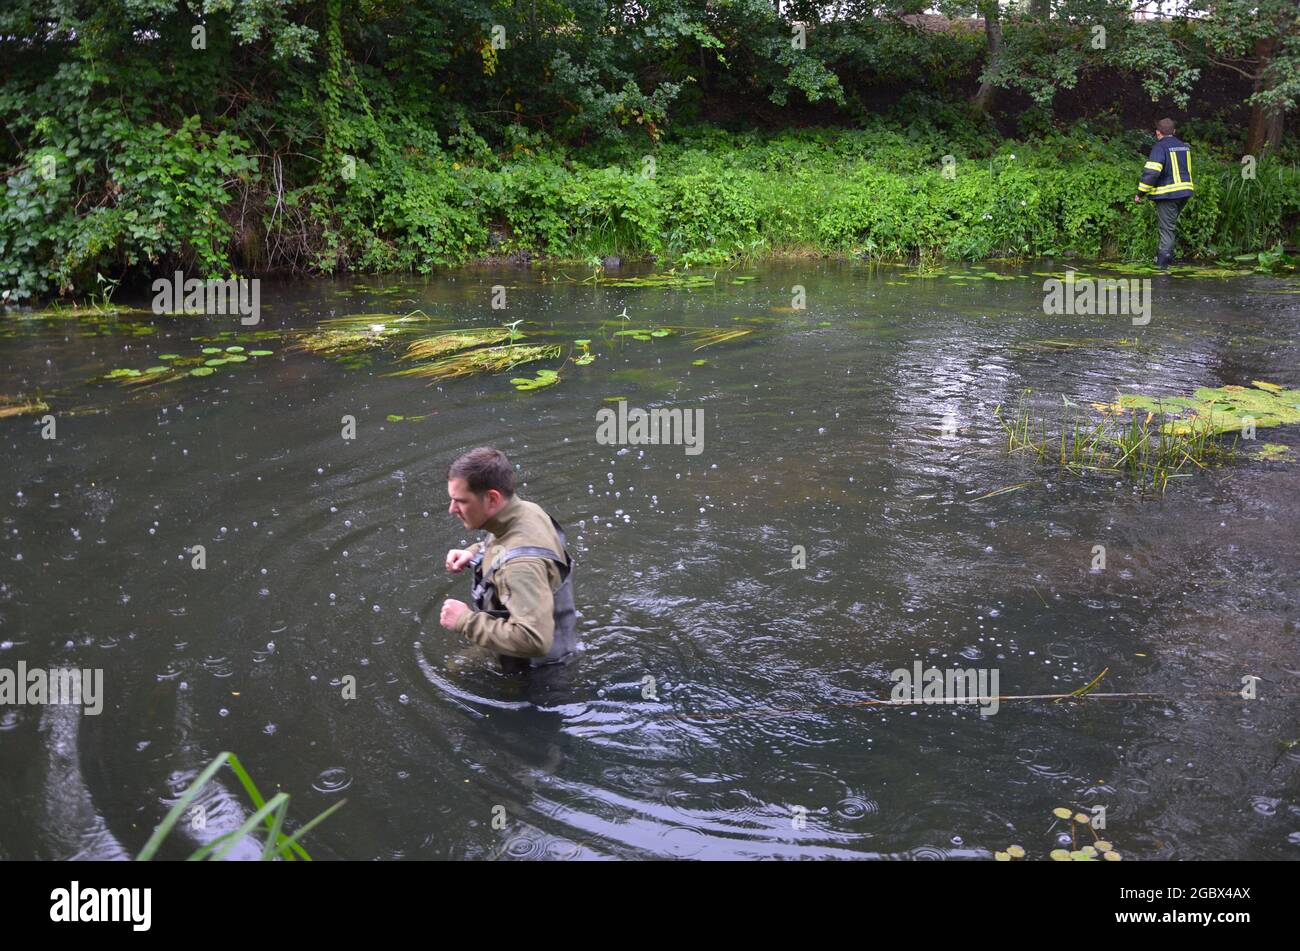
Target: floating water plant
(17,406)
(439,345)
(713,335)
(1056,344)
(543,378)
(1098,849)
(642,334)
(1177,270)
(668,279)
(1222,409)
(1273,452)
(82,311)
(342,336)
(177,366)
(482,360)
(586,356)
(145,377)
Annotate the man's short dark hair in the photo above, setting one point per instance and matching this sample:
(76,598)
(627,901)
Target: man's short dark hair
(483,469)
(1166,127)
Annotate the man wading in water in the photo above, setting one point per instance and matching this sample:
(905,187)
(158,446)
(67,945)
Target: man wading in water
(523,598)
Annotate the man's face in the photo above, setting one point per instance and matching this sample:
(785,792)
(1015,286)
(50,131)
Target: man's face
(472,510)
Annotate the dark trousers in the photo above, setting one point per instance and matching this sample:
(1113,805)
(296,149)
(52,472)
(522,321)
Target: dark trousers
(1167,211)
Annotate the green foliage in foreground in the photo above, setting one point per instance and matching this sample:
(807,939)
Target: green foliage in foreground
(269,813)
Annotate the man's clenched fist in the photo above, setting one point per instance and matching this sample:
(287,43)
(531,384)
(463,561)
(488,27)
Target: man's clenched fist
(451,613)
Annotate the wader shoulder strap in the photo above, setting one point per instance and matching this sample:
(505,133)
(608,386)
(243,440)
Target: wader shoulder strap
(565,561)
(527,551)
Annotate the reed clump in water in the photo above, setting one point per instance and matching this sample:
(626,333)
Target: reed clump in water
(1142,446)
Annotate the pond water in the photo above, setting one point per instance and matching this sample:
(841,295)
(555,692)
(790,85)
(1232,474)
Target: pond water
(859,427)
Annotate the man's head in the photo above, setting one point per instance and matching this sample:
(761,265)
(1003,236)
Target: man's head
(479,484)
(1165,127)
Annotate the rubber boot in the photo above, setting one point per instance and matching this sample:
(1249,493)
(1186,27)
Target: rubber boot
(1164,259)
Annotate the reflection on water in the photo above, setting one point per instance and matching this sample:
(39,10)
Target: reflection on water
(824,429)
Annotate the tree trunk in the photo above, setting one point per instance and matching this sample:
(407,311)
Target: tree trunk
(1265,129)
(993,33)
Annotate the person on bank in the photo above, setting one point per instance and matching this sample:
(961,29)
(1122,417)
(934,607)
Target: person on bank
(1167,178)
(523,573)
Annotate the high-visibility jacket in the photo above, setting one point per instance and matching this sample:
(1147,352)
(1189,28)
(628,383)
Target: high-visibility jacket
(1168,171)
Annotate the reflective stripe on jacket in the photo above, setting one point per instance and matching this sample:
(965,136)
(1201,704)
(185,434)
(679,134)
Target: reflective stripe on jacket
(1168,171)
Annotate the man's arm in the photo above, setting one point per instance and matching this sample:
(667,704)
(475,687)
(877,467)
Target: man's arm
(1152,169)
(524,586)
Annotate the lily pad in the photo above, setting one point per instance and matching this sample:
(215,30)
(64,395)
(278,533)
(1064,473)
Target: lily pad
(543,378)
(202,371)
(261,353)
(1224,409)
